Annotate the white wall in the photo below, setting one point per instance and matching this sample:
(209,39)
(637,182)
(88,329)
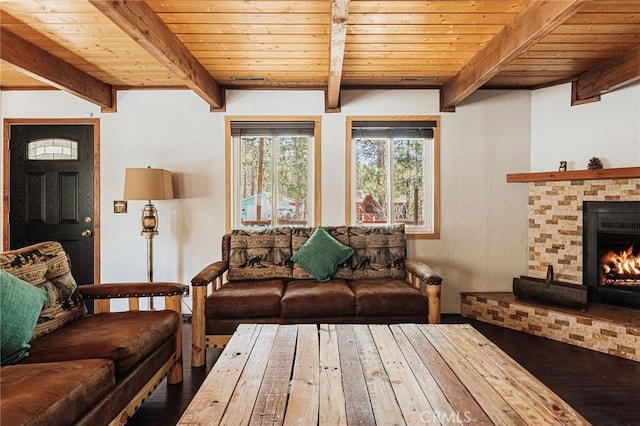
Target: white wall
(608,129)
(483,219)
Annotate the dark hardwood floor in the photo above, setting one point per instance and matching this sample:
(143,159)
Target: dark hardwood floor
(603,388)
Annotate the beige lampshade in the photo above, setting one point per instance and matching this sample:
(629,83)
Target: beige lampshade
(148,184)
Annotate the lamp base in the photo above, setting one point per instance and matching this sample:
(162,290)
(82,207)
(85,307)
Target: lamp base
(149,236)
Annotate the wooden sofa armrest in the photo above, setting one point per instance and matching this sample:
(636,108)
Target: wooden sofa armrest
(200,282)
(125,290)
(423,273)
(210,272)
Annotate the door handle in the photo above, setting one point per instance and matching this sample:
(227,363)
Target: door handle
(87,233)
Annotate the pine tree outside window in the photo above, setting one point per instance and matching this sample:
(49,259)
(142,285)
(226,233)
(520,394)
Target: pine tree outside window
(275,179)
(393,166)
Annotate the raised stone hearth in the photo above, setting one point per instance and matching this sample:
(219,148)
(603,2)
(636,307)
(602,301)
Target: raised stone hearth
(604,328)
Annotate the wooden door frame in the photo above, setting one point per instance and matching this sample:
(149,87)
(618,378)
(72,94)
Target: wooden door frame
(95,122)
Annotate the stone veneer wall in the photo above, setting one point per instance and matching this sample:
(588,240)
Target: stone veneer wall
(555,222)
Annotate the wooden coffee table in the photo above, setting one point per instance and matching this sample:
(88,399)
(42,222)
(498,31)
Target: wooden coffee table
(370,374)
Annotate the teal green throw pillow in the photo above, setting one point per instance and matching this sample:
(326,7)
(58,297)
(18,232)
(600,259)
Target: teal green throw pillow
(321,255)
(20,306)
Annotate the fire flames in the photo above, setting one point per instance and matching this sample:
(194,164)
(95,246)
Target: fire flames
(621,267)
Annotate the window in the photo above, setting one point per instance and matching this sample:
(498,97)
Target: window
(275,167)
(393,167)
(52,149)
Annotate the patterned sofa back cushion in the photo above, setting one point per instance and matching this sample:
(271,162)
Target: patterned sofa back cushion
(266,253)
(299,236)
(380,251)
(46,266)
(260,254)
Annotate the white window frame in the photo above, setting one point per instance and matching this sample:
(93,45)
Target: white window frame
(431,178)
(232,177)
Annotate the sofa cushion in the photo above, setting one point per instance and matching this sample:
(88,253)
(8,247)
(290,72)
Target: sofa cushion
(46,266)
(126,338)
(321,255)
(245,299)
(57,393)
(310,298)
(260,254)
(379,251)
(384,297)
(300,236)
(20,305)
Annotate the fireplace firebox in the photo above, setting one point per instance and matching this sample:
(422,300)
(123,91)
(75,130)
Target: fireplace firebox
(611,252)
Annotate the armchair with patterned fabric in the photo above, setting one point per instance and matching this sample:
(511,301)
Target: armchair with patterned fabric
(61,365)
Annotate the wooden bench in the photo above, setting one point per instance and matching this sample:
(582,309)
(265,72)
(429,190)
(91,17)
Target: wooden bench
(370,374)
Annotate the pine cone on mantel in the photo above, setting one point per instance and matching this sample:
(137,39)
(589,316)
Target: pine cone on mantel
(594,164)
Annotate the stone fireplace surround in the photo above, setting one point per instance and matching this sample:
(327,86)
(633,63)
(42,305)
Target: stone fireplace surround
(555,222)
(555,238)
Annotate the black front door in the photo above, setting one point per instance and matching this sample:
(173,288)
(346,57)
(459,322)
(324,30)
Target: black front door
(51,194)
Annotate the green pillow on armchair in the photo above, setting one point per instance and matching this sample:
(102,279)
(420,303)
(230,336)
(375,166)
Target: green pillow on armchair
(20,306)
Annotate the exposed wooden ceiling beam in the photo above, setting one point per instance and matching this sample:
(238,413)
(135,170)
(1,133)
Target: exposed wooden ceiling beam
(535,22)
(143,25)
(51,70)
(339,15)
(611,75)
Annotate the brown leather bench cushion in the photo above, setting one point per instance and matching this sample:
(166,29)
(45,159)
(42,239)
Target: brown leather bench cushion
(57,393)
(310,298)
(126,338)
(385,297)
(245,299)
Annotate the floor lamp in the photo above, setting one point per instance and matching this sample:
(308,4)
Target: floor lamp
(148,184)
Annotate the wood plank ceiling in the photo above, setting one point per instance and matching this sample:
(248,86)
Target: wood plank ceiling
(93,48)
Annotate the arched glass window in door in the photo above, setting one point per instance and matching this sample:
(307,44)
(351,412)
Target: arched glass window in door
(52,149)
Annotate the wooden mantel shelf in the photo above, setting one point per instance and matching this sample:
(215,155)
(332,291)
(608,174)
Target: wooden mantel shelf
(619,173)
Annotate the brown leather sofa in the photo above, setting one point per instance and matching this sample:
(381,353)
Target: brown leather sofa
(87,369)
(259,280)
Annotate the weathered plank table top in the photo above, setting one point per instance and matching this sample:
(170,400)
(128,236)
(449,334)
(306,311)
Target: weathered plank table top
(400,374)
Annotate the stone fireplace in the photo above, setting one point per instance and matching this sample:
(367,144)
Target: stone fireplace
(556,224)
(557,237)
